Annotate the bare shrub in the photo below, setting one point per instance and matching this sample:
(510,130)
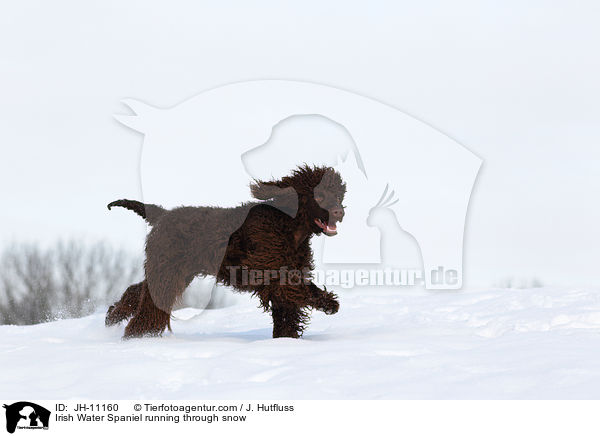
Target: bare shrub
(67,280)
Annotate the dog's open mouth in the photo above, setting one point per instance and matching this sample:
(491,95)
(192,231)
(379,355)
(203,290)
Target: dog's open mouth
(328,229)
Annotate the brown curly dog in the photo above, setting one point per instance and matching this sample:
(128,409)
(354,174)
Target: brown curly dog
(259,247)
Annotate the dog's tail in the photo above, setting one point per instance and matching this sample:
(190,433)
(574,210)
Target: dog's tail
(150,212)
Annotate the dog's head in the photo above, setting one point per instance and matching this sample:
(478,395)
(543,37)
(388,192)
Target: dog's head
(316,193)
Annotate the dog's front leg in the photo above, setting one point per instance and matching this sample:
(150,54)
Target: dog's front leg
(323,300)
(288,321)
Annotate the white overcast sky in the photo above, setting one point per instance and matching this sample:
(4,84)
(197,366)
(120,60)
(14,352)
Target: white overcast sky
(517,84)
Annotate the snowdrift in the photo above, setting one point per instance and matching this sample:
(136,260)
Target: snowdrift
(383,344)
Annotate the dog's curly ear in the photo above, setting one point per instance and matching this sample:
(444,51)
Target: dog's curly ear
(270,190)
(284,196)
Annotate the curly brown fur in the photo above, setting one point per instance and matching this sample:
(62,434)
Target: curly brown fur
(126,306)
(272,236)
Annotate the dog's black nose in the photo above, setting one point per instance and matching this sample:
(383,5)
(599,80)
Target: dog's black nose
(338,213)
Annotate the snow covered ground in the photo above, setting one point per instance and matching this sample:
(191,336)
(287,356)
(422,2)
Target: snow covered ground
(383,344)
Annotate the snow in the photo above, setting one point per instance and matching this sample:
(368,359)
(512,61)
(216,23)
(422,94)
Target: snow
(537,343)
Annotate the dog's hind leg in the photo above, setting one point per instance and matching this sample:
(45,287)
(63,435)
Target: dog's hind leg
(126,306)
(148,319)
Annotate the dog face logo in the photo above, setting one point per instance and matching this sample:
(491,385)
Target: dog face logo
(204,149)
(26,415)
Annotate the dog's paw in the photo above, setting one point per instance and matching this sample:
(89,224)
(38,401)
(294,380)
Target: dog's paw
(330,305)
(110,318)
